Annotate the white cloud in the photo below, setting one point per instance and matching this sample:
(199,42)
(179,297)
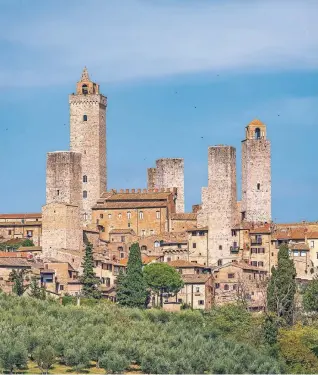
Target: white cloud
(130,39)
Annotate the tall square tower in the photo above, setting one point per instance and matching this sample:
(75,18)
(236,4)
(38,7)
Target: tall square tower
(88,137)
(256,174)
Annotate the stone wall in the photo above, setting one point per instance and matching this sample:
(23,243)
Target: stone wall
(169,174)
(202,214)
(222,205)
(88,137)
(63,178)
(151,178)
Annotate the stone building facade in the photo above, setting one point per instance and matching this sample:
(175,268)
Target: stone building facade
(256,174)
(88,137)
(222,202)
(169,173)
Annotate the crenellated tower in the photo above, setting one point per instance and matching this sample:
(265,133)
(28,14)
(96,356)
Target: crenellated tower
(88,137)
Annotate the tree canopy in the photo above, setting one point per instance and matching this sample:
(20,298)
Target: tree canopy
(310,297)
(88,279)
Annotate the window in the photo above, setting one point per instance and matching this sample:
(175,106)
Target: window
(296,253)
(197,289)
(168,259)
(57,192)
(194,233)
(194,245)
(107,281)
(220,247)
(84,89)
(303,253)
(122,238)
(120,248)
(220,262)
(230,275)
(143,247)
(158,214)
(119,216)
(312,244)
(257,134)
(10,231)
(61,287)
(254,263)
(101,216)
(85,118)
(30,233)
(226,287)
(234,287)
(141,215)
(217,285)
(317,255)
(85,216)
(260,264)
(143,232)
(85,178)
(122,255)
(157,243)
(201,233)
(253,250)
(151,232)
(109,216)
(84,194)
(128,225)
(179,245)
(180,300)
(201,302)
(128,215)
(258,186)
(233,232)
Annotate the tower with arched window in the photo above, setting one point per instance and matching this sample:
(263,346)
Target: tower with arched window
(88,137)
(256,174)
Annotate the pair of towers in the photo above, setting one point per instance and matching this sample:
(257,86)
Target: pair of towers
(76,179)
(220,210)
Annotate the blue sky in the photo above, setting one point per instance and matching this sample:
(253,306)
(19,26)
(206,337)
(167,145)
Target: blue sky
(156,61)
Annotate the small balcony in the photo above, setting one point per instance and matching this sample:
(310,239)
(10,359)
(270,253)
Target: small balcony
(234,249)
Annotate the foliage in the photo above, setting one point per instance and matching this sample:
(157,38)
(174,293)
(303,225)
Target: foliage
(270,329)
(162,278)
(310,297)
(89,279)
(35,290)
(45,357)
(116,338)
(13,354)
(282,287)
(18,277)
(27,243)
(296,352)
(131,288)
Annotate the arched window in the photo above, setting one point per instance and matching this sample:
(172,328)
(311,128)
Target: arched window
(85,216)
(257,133)
(226,287)
(119,216)
(128,215)
(143,247)
(157,243)
(141,215)
(258,186)
(84,178)
(84,194)
(85,118)
(84,89)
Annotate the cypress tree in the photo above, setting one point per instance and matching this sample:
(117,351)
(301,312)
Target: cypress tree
(282,287)
(88,279)
(131,288)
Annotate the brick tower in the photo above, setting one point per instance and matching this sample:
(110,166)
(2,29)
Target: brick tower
(256,174)
(88,137)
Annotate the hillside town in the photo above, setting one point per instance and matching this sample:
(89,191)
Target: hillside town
(224,249)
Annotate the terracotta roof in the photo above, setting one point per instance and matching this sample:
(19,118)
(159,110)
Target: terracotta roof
(184,264)
(312,235)
(203,229)
(290,234)
(122,231)
(254,227)
(12,254)
(256,122)
(29,248)
(196,279)
(145,260)
(21,216)
(130,204)
(241,265)
(298,246)
(184,216)
(47,270)
(14,262)
(136,196)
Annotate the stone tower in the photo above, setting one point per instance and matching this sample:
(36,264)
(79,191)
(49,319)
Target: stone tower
(88,137)
(256,174)
(169,173)
(221,202)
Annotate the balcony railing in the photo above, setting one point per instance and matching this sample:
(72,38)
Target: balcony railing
(234,249)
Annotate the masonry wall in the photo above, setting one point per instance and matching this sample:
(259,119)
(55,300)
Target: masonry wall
(202,214)
(170,174)
(222,207)
(151,178)
(61,229)
(63,178)
(89,139)
(256,169)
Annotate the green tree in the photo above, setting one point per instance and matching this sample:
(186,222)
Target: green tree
(18,277)
(35,290)
(162,278)
(282,287)
(13,354)
(27,243)
(131,288)
(45,358)
(310,297)
(114,363)
(88,279)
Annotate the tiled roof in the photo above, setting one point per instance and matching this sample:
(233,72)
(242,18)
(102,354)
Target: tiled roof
(312,235)
(12,254)
(184,216)
(21,216)
(184,264)
(196,279)
(203,229)
(14,262)
(254,227)
(130,204)
(298,246)
(136,196)
(47,270)
(30,248)
(241,265)
(145,260)
(122,231)
(290,234)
